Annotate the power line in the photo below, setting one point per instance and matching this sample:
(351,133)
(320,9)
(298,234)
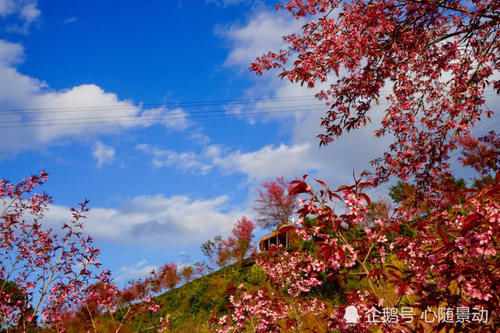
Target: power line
(174,113)
(157,105)
(145,119)
(270,106)
(195,103)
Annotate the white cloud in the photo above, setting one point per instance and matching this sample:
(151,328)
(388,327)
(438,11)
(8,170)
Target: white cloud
(185,161)
(335,163)
(29,12)
(70,20)
(269,162)
(7,7)
(38,116)
(135,272)
(10,53)
(266,163)
(225,3)
(26,10)
(172,119)
(213,151)
(156,220)
(103,154)
(260,35)
(198,137)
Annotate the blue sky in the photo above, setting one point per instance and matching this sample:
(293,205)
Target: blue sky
(161,177)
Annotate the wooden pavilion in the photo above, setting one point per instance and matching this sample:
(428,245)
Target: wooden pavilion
(280,236)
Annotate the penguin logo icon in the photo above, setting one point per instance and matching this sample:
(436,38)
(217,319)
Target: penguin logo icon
(351,315)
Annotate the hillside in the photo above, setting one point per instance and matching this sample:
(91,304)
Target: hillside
(191,305)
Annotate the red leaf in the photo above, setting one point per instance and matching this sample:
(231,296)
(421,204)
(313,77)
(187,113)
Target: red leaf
(322,183)
(367,199)
(470,222)
(301,187)
(342,255)
(365,184)
(344,187)
(335,195)
(325,252)
(397,276)
(442,234)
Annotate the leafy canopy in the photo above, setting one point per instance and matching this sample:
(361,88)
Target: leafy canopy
(432,60)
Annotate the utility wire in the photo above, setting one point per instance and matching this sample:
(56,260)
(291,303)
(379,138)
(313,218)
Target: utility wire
(243,101)
(200,103)
(271,106)
(183,113)
(145,119)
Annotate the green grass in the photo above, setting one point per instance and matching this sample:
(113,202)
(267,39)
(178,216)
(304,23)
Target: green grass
(191,305)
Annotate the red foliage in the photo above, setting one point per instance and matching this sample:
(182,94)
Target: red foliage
(57,280)
(260,308)
(434,58)
(482,154)
(234,248)
(242,244)
(107,306)
(441,244)
(449,257)
(52,271)
(168,276)
(187,273)
(237,247)
(275,205)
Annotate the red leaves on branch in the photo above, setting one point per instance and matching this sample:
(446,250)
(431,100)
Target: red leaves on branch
(51,270)
(447,257)
(431,61)
(52,279)
(235,248)
(187,273)
(168,276)
(482,154)
(243,231)
(258,310)
(276,203)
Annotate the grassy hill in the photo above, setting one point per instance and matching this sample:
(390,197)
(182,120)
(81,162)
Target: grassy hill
(190,306)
